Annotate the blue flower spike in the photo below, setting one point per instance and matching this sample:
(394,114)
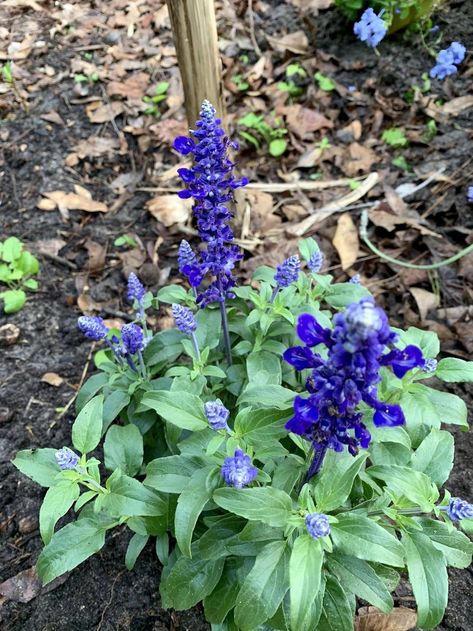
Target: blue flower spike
(337,384)
(316,262)
(238,471)
(93,327)
(217,415)
(317,525)
(186,323)
(459,509)
(66,459)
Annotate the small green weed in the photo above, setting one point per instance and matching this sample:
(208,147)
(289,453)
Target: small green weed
(294,72)
(125,239)
(265,133)
(16,268)
(325,83)
(395,138)
(160,94)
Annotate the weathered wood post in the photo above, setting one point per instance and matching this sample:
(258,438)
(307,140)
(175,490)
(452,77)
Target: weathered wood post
(195,37)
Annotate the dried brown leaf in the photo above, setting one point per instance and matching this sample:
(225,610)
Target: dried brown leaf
(295,42)
(96,254)
(458,105)
(52,378)
(425,300)
(80,200)
(360,159)
(346,240)
(303,121)
(52,117)
(372,619)
(169,209)
(23,587)
(104,113)
(96,146)
(48,246)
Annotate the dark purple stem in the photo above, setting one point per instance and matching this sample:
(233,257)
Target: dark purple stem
(316,463)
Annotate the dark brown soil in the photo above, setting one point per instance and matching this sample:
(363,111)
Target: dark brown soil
(101,594)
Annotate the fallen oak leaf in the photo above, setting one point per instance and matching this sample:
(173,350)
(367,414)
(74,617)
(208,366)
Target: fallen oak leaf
(346,240)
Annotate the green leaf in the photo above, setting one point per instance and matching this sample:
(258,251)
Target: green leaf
(434,456)
(189,582)
(404,481)
(365,539)
(263,368)
(129,497)
(13,300)
(209,325)
(271,506)
(87,428)
(456,546)
(90,387)
(260,426)
(271,396)
(179,408)
(38,464)
(213,543)
(223,598)
(337,613)
(305,572)
(11,249)
(57,501)
(134,549)
(189,506)
(30,283)
(395,137)
(360,578)
(165,347)
(69,547)
(454,370)
(171,474)
(308,247)
(428,577)
(277,147)
(427,341)
(325,83)
(27,263)
(343,468)
(264,587)
(123,449)
(114,403)
(342,294)
(443,407)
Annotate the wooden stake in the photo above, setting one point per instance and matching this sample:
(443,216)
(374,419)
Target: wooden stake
(195,37)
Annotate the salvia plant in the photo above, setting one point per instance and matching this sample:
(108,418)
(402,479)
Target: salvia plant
(282,446)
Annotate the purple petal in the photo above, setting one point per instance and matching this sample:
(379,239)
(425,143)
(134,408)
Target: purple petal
(310,331)
(388,415)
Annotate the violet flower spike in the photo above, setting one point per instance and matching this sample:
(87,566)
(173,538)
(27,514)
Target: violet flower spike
(134,343)
(237,470)
(66,459)
(186,323)
(357,345)
(459,509)
(286,274)
(316,262)
(217,415)
(211,183)
(93,327)
(317,525)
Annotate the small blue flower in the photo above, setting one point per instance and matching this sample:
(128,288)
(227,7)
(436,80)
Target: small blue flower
(217,415)
(355,280)
(184,319)
(238,471)
(470,194)
(435,28)
(66,458)
(371,28)
(93,327)
(457,51)
(316,261)
(459,509)
(317,525)
(430,365)
(288,271)
(136,290)
(132,338)
(444,66)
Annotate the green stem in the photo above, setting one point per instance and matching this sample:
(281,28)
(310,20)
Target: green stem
(391,259)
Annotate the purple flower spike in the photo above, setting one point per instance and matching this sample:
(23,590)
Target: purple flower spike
(132,338)
(66,459)
(430,365)
(136,290)
(316,262)
(93,327)
(459,509)
(346,375)
(288,271)
(184,319)
(211,183)
(217,414)
(317,525)
(237,470)
(183,145)
(371,28)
